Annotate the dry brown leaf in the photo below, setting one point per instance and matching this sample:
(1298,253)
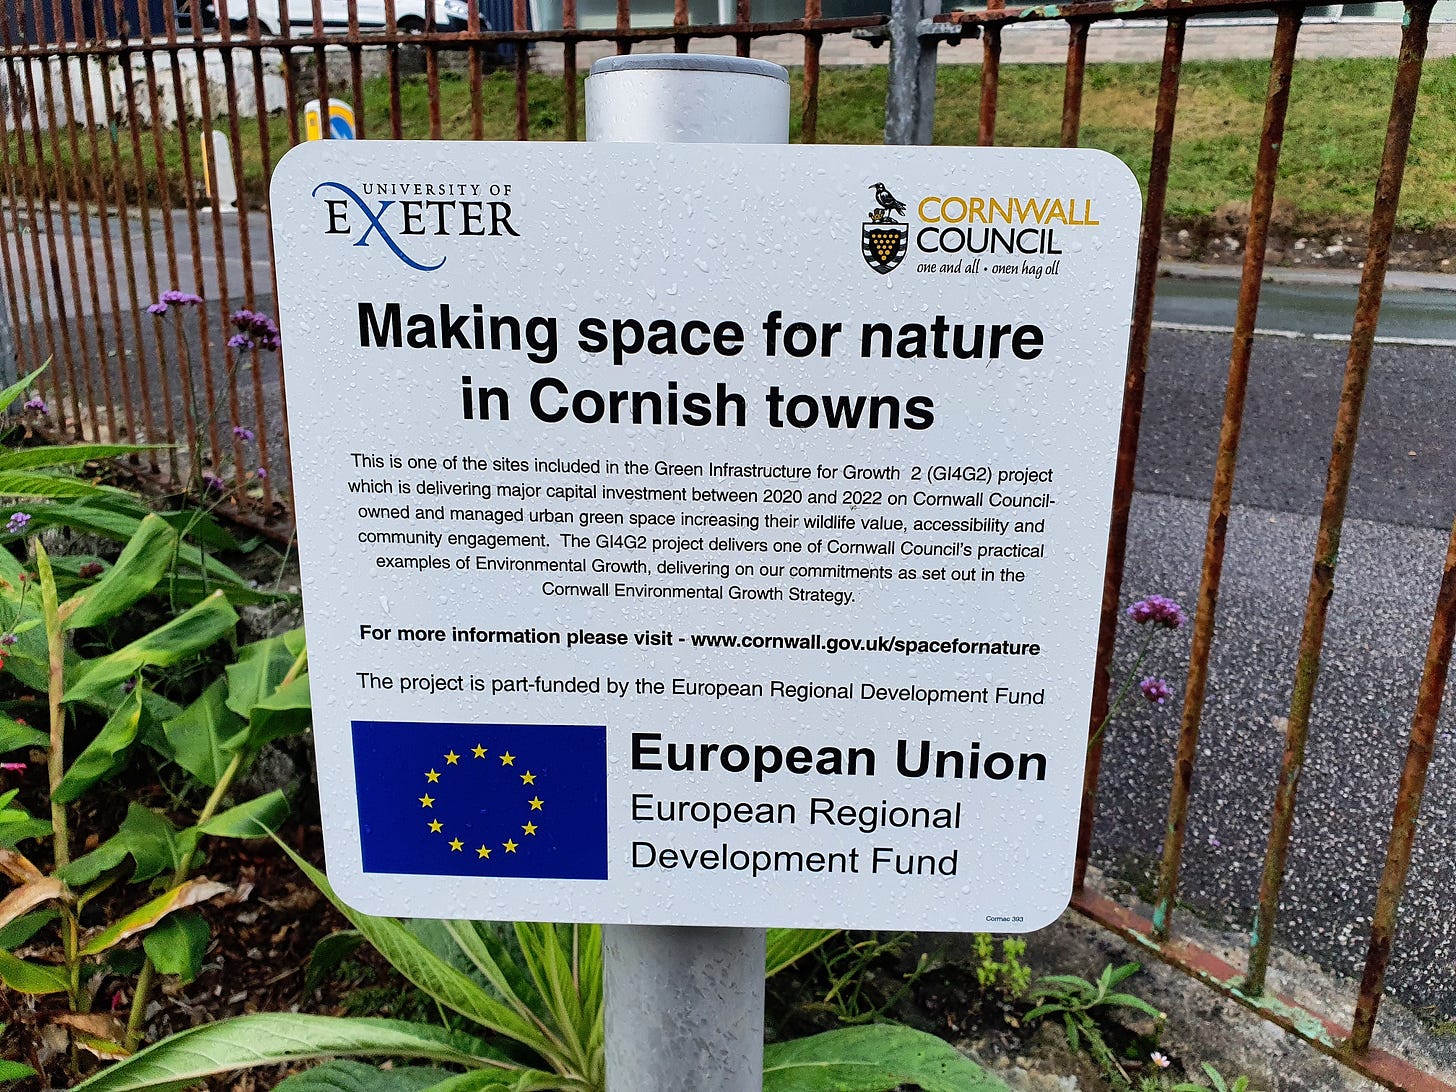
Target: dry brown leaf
(98,1025)
(30,895)
(139,921)
(18,867)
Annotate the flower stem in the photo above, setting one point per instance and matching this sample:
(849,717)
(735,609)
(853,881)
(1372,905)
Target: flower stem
(1126,686)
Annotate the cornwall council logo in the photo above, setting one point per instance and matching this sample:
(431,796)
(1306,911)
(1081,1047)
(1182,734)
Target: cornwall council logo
(883,240)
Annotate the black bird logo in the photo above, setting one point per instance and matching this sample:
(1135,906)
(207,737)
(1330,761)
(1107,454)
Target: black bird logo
(887,202)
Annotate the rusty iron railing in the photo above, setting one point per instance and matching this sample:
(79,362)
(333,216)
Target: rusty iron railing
(76,270)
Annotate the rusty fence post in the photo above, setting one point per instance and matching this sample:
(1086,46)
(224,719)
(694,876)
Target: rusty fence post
(1337,483)
(1261,207)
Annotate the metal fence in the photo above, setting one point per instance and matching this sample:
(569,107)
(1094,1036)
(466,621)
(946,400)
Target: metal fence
(102,207)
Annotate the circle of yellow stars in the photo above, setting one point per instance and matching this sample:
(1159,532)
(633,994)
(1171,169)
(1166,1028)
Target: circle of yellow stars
(482,852)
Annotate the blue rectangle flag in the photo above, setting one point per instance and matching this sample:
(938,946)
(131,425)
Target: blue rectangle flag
(496,800)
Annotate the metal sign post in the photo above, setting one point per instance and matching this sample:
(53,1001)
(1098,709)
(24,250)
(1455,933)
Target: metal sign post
(685,1003)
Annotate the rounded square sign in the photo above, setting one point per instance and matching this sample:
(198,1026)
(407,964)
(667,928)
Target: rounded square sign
(703,535)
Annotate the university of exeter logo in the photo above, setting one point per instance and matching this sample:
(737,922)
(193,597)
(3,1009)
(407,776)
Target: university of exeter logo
(883,239)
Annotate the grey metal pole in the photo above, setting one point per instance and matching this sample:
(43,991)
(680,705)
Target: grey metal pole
(685,1004)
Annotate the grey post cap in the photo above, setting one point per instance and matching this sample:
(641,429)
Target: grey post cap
(689,62)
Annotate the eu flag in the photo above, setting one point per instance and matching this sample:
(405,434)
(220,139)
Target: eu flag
(522,800)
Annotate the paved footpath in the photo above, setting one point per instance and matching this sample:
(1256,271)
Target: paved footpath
(1046,43)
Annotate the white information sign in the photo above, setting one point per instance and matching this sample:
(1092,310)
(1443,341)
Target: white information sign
(703,535)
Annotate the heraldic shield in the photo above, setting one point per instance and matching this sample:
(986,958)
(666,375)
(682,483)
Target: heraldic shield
(884,244)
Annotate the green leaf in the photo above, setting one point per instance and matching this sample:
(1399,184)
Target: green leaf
(190,1056)
(178,944)
(20,930)
(32,978)
(16,824)
(785,947)
(872,1058)
(1127,1000)
(139,920)
(521,1080)
(260,668)
(14,1071)
(328,954)
(105,754)
(255,819)
(348,1076)
(14,736)
(429,972)
(286,712)
(143,835)
(37,486)
(142,564)
(184,636)
(203,738)
(19,387)
(35,458)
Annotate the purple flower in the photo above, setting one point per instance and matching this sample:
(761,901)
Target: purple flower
(213,484)
(13,767)
(128,686)
(8,639)
(173,298)
(1214,842)
(17,523)
(244,434)
(1155,690)
(37,403)
(262,472)
(1159,610)
(254,330)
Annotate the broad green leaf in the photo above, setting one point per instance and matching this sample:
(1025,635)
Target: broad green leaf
(200,527)
(142,564)
(90,866)
(203,738)
(257,673)
(184,636)
(32,978)
(22,929)
(785,947)
(138,921)
(872,1058)
(327,956)
(523,1080)
(14,1071)
(151,841)
(190,589)
(35,458)
(37,486)
(286,712)
(16,824)
(117,515)
(255,819)
(187,1058)
(105,754)
(547,950)
(428,971)
(178,944)
(19,387)
(14,736)
(343,1075)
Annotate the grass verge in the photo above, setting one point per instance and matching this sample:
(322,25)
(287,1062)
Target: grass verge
(1334,134)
